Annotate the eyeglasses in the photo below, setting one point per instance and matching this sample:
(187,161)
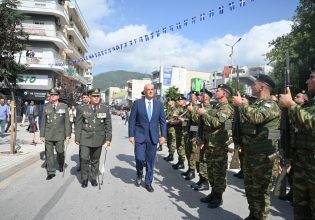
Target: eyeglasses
(95,96)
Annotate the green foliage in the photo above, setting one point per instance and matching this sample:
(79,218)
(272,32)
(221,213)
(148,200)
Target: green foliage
(116,79)
(301,45)
(233,86)
(12,41)
(172,93)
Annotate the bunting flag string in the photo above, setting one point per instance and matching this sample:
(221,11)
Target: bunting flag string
(155,34)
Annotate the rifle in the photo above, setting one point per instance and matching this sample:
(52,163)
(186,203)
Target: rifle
(284,136)
(236,130)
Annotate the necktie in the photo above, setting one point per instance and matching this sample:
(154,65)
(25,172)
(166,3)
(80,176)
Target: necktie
(149,110)
(54,106)
(94,108)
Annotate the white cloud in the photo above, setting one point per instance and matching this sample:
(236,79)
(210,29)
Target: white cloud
(172,49)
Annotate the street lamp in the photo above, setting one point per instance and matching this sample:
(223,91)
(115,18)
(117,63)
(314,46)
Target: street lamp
(232,46)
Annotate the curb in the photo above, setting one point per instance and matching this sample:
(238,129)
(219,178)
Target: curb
(32,158)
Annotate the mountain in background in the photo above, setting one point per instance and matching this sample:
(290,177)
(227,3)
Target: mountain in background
(116,78)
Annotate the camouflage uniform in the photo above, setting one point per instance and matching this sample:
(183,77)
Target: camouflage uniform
(303,118)
(215,145)
(256,120)
(180,144)
(192,138)
(171,140)
(202,163)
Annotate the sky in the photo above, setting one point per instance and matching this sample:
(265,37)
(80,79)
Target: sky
(200,46)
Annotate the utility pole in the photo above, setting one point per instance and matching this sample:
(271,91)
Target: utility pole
(231,55)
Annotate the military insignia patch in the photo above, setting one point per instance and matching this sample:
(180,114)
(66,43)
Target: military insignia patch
(223,115)
(268,105)
(61,111)
(101,115)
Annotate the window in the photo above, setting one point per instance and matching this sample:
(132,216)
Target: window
(38,22)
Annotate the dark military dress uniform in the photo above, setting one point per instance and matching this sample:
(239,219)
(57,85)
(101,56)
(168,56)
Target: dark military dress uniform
(93,129)
(55,128)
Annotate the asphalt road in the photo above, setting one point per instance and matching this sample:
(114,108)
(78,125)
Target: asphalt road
(28,195)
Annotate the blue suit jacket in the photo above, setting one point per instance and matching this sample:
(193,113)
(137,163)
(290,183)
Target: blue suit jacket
(139,125)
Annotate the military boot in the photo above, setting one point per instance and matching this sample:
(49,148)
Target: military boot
(170,157)
(208,198)
(179,165)
(203,186)
(201,179)
(190,175)
(216,201)
(185,173)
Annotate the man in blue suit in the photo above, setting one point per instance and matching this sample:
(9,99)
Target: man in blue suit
(147,114)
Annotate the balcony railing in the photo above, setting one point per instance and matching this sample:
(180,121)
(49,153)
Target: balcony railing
(46,33)
(78,33)
(43,6)
(72,72)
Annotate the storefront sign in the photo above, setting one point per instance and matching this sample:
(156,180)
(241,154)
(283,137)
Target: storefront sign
(32,80)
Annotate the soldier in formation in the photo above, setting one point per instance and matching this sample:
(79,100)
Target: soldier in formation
(302,117)
(191,143)
(257,120)
(216,136)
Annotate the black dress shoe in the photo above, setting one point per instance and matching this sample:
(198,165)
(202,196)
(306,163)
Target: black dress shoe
(138,180)
(179,165)
(190,175)
(84,183)
(170,157)
(50,176)
(149,188)
(60,169)
(94,182)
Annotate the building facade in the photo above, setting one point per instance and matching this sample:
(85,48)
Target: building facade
(57,34)
(135,88)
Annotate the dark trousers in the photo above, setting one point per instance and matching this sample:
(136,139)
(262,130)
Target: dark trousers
(90,155)
(49,150)
(32,126)
(8,124)
(145,152)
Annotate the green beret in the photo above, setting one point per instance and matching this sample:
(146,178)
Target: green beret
(208,93)
(266,79)
(226,88)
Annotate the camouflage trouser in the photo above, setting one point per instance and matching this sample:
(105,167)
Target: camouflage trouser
(180,143)
(258,169)
(202,164)
(190,151)
(304,186)
(217,161)
(171,140)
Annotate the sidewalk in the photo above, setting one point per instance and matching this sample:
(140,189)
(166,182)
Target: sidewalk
(26,152)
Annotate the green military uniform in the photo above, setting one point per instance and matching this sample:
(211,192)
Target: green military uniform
(215,145)
(55,128)
(93,129)
(256,122)
(171,140)
(180,141)
(303,119)
(192,138)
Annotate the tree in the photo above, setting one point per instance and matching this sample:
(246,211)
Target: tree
(12,42)
(301,45)
(172,93)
